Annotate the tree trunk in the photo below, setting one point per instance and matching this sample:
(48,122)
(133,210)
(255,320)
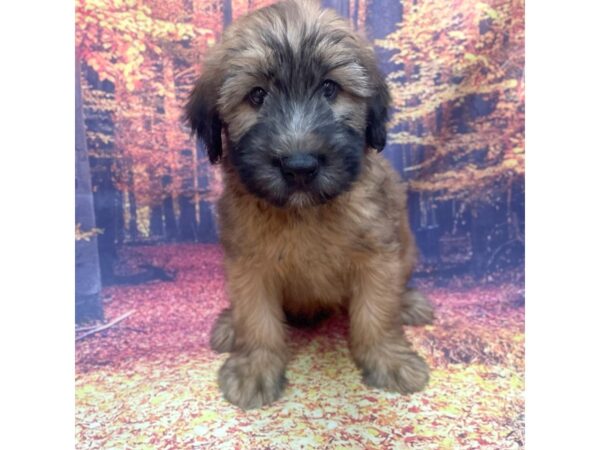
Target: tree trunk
(169,210)
(106,196)
(342,7)
(227,13)
(207,230)
(119,219)
(355,13)
(484,218)
(133,230)
(156,222)
(381,19)
(187,219)
(88,284)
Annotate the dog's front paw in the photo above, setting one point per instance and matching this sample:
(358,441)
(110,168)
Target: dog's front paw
(405,372)
(253,379)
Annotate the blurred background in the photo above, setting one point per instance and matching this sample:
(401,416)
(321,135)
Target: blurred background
(456,132)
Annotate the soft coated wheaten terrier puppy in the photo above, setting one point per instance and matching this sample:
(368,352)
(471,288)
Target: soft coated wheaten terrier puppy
(312,218)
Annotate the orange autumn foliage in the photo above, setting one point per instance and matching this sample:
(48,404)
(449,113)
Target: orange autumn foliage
(450,52)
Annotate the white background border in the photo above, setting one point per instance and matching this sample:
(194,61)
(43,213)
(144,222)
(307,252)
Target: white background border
(37,224)
(37,246)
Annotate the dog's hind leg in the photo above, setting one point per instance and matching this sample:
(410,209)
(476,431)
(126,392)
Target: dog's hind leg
(222,335)
(415,309)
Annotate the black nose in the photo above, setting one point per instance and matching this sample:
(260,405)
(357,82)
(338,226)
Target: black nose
(300,168)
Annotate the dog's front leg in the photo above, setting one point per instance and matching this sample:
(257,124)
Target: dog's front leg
(377,341)
(254,373)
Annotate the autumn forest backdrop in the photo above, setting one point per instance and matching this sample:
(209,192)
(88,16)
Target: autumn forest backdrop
(455,70)
(146,191)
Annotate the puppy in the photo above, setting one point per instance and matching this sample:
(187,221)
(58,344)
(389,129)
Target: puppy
(312,218)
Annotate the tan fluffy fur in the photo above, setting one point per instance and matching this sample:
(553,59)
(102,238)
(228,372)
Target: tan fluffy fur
(354,252)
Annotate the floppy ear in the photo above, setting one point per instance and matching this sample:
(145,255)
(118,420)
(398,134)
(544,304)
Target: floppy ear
(202,116)
(377,112)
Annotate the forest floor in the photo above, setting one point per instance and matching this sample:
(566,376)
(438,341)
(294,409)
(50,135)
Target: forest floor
(149,382)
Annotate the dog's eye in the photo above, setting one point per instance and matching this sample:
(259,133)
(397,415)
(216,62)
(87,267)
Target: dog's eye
(257,96)
(330,89)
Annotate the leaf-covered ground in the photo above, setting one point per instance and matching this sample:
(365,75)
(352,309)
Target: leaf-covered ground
(150,381)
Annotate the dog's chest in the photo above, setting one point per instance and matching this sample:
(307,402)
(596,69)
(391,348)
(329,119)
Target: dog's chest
(310,254)
(312,258)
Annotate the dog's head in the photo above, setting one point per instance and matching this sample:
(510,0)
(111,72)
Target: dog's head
(299,98)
